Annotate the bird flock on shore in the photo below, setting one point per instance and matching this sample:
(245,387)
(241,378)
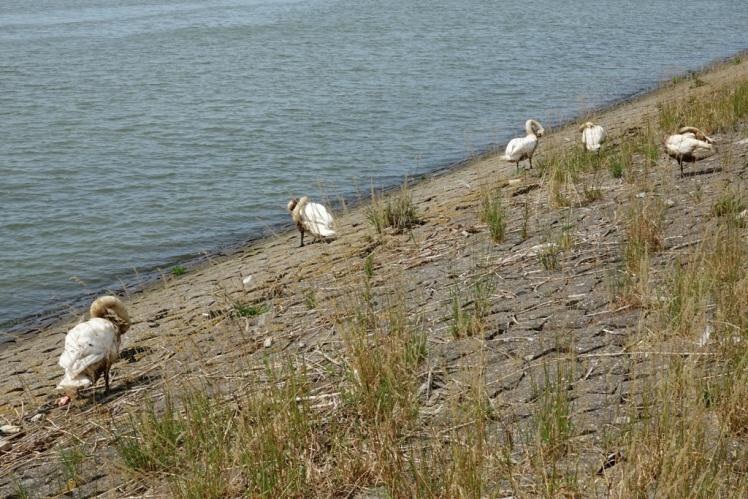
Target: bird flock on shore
(91,347)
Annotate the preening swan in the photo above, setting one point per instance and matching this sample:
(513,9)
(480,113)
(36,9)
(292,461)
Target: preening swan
(91,347)
(524,147)
(311,217)
(593,136)
(689,145)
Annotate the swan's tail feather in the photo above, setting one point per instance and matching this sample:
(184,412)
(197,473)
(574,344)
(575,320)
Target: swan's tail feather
(68,383)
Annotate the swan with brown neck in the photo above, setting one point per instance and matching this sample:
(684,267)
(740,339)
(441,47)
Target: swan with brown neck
(92,346)
(524,147)
(688,145)
(312,218)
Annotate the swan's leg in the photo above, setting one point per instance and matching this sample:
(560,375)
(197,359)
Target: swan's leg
(106,380)
(680,163)
(530,160)
(302,240)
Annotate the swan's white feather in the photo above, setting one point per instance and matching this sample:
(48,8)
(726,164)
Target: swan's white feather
(87,346)
(524,147)
(317,220)
(686,144)
(593,137)
(520,148)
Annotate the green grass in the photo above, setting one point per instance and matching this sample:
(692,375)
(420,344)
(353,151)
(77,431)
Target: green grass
(178,270)
(369,266)
(71,460)
(469,313)
(241,310)
(549,257)
(493,214)
(310,298)
(616,167)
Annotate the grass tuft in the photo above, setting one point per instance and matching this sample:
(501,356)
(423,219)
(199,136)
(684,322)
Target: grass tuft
(395,211)
(241,310)
(493,214)
(178,270)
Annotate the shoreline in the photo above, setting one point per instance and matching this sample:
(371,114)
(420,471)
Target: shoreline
(135,284)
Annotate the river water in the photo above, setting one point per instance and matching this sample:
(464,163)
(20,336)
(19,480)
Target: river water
(135,134)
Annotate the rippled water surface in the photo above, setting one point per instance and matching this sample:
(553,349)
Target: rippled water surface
(134,133)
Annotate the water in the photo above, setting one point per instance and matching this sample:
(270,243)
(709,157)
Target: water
(135,133)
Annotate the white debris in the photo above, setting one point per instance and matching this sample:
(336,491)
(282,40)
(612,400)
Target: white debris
(268,342)
(9,429)
(705,335)
(514,181)
(743,214)
(247,281)
(669,203)
(37,417)
(533,251)
(641,195)
(742,142)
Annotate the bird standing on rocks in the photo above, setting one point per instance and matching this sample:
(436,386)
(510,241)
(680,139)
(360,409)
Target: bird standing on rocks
(524,147)
(311,217)
(91,347)
(689,144)
(593,136)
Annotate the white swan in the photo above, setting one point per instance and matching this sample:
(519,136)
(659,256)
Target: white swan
(91,347)
(593,136)
(311,217)
(524,147)
(689,145)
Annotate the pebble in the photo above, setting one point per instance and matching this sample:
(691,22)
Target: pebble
(268,342)
(37,417)
(9,429)
(641,195)
(247,281)
(4,445)
(669,203)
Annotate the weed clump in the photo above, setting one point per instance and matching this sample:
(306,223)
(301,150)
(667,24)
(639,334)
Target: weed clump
(178,270)
(493,214)
(396,211)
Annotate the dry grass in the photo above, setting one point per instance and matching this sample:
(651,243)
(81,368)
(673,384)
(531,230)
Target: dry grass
(718,112)
(690,441)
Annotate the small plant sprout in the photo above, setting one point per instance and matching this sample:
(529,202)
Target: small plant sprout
(526,218)
(369,265)
(241,310)
(310,298)
(178,270)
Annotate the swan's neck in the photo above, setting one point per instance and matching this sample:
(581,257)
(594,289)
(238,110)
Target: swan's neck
(529,129)
(296,214)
